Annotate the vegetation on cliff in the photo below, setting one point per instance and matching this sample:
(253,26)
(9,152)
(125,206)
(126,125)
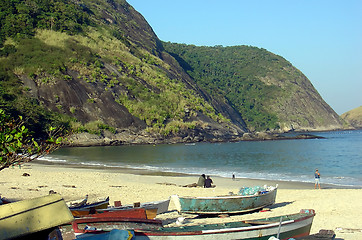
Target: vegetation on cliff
(267,90)
(97,65)
(353,117)
(71,48)
(234,73)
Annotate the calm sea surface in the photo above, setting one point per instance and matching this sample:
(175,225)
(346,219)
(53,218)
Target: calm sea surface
(338,158)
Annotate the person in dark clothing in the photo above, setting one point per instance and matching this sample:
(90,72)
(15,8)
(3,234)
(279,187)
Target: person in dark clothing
(208,182)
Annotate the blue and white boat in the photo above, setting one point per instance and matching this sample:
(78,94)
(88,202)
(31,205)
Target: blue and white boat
(248,200)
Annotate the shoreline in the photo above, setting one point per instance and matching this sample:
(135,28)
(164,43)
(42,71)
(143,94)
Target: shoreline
(281,183)
(337,209)
(79,140)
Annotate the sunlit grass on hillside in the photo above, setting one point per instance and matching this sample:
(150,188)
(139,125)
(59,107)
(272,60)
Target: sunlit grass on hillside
(148,93)
(354,113)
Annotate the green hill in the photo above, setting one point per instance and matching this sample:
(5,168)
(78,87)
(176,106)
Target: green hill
(264,88)
(98,67)
(354,117)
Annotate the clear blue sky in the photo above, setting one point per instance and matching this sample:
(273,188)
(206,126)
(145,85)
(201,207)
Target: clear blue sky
(322,38)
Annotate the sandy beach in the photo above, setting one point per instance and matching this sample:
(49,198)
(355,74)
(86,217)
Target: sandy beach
(337,208)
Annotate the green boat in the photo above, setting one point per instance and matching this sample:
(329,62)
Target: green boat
(228,204)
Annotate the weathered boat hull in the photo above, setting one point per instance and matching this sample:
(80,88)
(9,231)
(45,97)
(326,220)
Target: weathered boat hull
(291,226)
(34,215)
(161,206)
(89,208)
(126,213)
(224,204)
(96,225)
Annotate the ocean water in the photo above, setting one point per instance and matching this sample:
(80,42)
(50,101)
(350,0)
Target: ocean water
(338,158)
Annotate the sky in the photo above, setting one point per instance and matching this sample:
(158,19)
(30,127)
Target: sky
(322,38)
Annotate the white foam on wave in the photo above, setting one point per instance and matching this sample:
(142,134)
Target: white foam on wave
(51,159)
(336,180)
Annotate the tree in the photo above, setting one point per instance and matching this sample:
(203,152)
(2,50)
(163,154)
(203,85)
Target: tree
(17,146)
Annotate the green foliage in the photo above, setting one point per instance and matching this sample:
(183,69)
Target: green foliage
(16,102)
(234,73)
(17,144)
(19,18)
(94,127)
(54,40)
(6,50)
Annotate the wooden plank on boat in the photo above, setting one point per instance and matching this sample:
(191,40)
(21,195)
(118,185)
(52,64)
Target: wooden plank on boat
(151,213)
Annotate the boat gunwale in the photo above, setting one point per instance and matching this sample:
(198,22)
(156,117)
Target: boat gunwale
(86,220)
(226,230)
(225,212)
(90,205)
(145,205)
(230,196)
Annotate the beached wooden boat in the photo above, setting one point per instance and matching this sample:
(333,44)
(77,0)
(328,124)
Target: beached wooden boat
(140,213)
(89,208)
(161,206)
(106,224)
(31,216)
(282,227)
(78,203)
(228,204)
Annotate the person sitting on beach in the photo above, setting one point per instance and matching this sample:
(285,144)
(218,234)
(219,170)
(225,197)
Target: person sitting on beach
(201,182)
(208,182)
(317,177)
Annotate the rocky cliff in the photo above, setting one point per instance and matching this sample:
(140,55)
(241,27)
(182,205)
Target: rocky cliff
(109,75)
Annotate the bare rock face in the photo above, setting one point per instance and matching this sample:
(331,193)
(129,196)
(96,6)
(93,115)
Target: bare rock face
(84,101)
(301,108)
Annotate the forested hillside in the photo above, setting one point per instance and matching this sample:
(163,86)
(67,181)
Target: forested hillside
(97,67)
(265,88)
(233,74)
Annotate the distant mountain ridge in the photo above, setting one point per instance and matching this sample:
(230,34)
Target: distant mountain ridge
(354,117)
(101,69)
